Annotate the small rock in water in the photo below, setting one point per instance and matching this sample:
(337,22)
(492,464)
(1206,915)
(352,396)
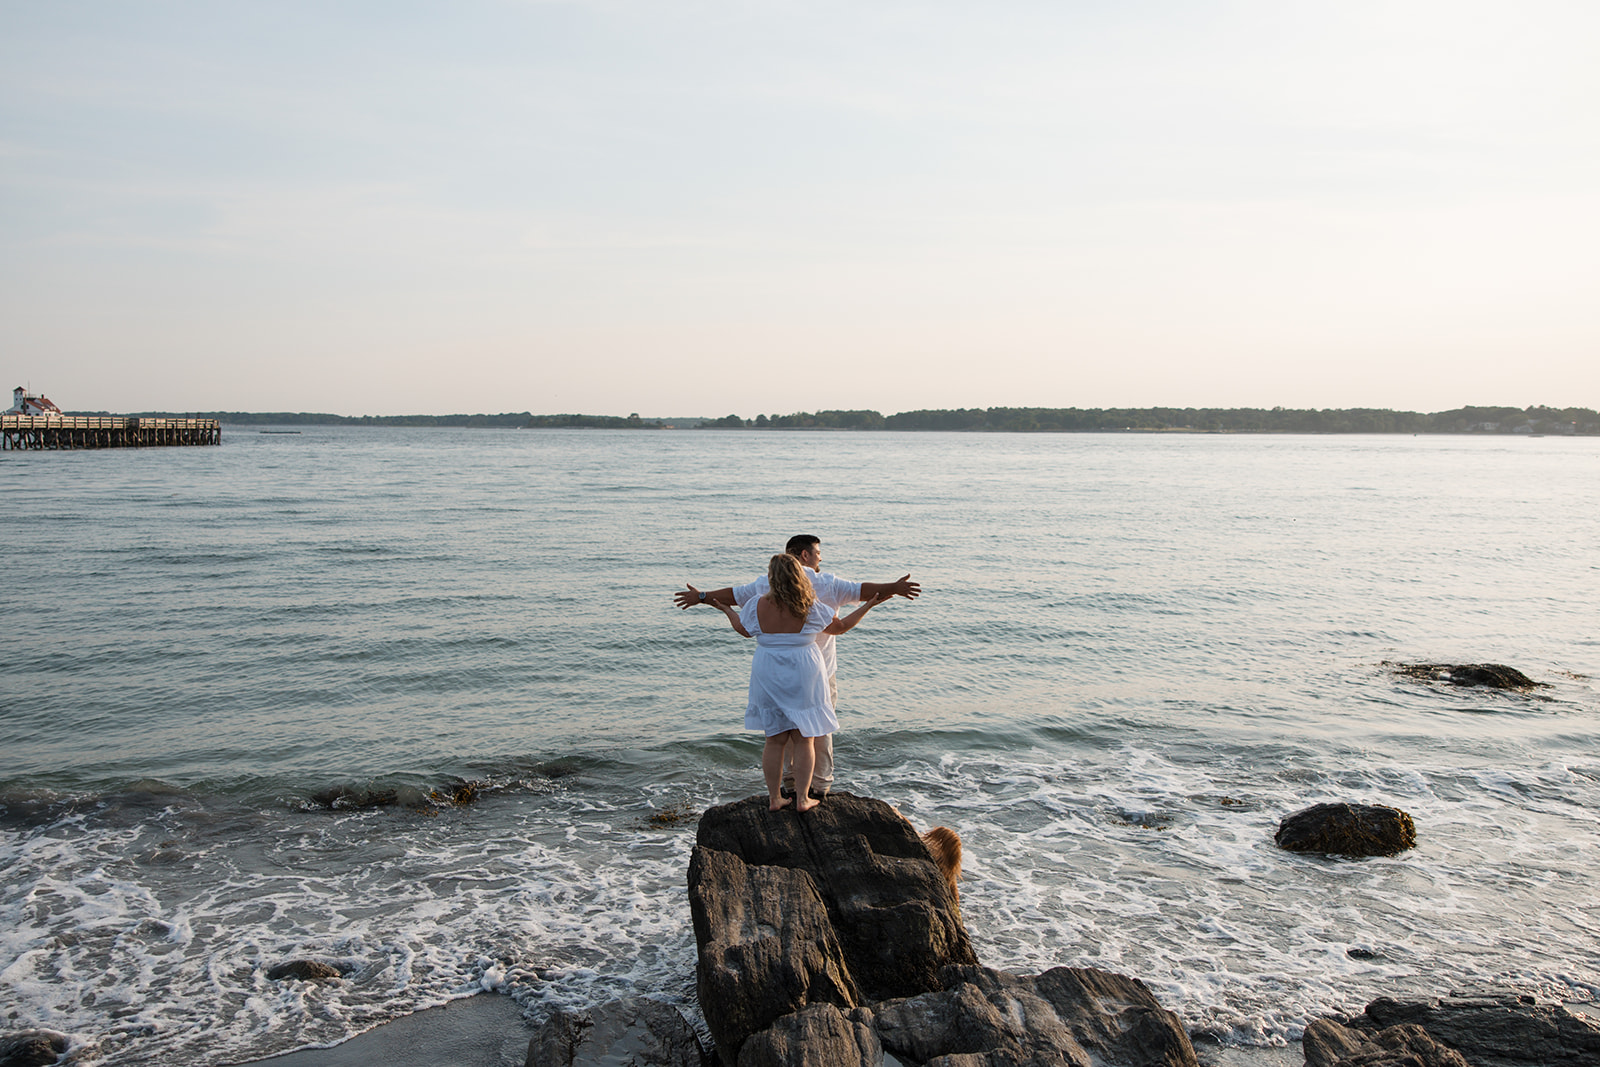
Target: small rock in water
(31,1048)
(306,970)
(1348,830)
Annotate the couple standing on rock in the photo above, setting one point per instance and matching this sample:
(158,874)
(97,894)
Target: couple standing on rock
(793,690)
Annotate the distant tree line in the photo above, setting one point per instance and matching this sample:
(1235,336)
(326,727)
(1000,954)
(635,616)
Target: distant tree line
(1543,420)
(1505,420)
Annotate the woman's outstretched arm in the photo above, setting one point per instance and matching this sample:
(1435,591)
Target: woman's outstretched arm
(731,612)
(847,622)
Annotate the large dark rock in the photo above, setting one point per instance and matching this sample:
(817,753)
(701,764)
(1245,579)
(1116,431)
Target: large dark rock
(1348,830)
(766,947)
(1067,1015)
(829,937)
(1494,1031)
(895,915)
(31,1048)
(635,1032)
(1331,1044)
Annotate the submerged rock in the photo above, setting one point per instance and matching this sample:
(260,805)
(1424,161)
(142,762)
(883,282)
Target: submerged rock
(1482,1031)
(1347,830)
(305,970)
(1490,675)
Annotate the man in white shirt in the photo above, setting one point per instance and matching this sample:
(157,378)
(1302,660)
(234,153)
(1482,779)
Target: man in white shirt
(831,590)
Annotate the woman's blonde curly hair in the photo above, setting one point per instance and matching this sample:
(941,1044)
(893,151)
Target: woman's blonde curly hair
(790,588)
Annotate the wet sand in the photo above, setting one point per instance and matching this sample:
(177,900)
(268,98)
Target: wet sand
(482,1031)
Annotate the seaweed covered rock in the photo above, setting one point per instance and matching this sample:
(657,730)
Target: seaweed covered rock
(1348,830)
(1489,675)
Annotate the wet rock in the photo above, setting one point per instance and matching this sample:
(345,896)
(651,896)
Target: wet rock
(1490,675)
(635,1032)
(817,1036)
(1068,1016)
(892,910)
(31,1048)
(834,938)
(1494,1031)
(766,947)
(305,970)
(1348,830)
(1330,1044)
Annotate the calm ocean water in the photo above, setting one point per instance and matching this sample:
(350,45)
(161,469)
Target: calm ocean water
(1134,654)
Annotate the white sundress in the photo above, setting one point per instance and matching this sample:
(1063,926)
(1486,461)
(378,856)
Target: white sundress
(788,679)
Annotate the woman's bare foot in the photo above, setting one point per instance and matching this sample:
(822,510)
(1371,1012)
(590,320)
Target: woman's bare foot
(777,803)
(805,805)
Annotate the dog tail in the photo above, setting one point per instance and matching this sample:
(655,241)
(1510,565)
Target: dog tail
(945,844)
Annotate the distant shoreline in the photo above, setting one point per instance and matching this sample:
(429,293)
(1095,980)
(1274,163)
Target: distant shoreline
(1531,421)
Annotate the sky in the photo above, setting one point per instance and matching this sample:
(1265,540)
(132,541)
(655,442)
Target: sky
(710,208)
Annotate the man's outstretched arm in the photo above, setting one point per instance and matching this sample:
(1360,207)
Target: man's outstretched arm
(689,597)
(874,590)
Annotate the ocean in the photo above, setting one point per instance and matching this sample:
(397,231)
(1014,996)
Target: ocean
(245,688)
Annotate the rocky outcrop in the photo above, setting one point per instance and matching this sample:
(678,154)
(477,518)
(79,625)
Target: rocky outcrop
(761,921)
(894,916)
(1348,830)
(1481,1031)
(635,1032)
(831,937)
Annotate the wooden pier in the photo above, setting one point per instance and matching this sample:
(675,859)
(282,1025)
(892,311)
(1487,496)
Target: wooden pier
(104,431)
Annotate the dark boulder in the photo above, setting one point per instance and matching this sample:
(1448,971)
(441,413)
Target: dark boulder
(892,909)
(1495,1031)
(305,970)
(1348,830)
(636,1032)
(31,1048)
(1074,1016)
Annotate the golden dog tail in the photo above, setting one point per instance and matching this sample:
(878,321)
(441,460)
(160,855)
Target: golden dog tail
(945,844)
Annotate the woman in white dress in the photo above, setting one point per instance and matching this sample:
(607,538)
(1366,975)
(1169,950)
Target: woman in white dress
(788,681)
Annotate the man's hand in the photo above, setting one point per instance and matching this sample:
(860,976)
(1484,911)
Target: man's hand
(688,598)
(906,587)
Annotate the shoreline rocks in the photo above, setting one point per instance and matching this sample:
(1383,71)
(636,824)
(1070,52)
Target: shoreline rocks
(834,937)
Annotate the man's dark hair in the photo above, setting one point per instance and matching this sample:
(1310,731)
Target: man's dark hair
(800,542)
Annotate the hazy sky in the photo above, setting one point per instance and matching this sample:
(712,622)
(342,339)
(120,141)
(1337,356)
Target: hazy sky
(710,207)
